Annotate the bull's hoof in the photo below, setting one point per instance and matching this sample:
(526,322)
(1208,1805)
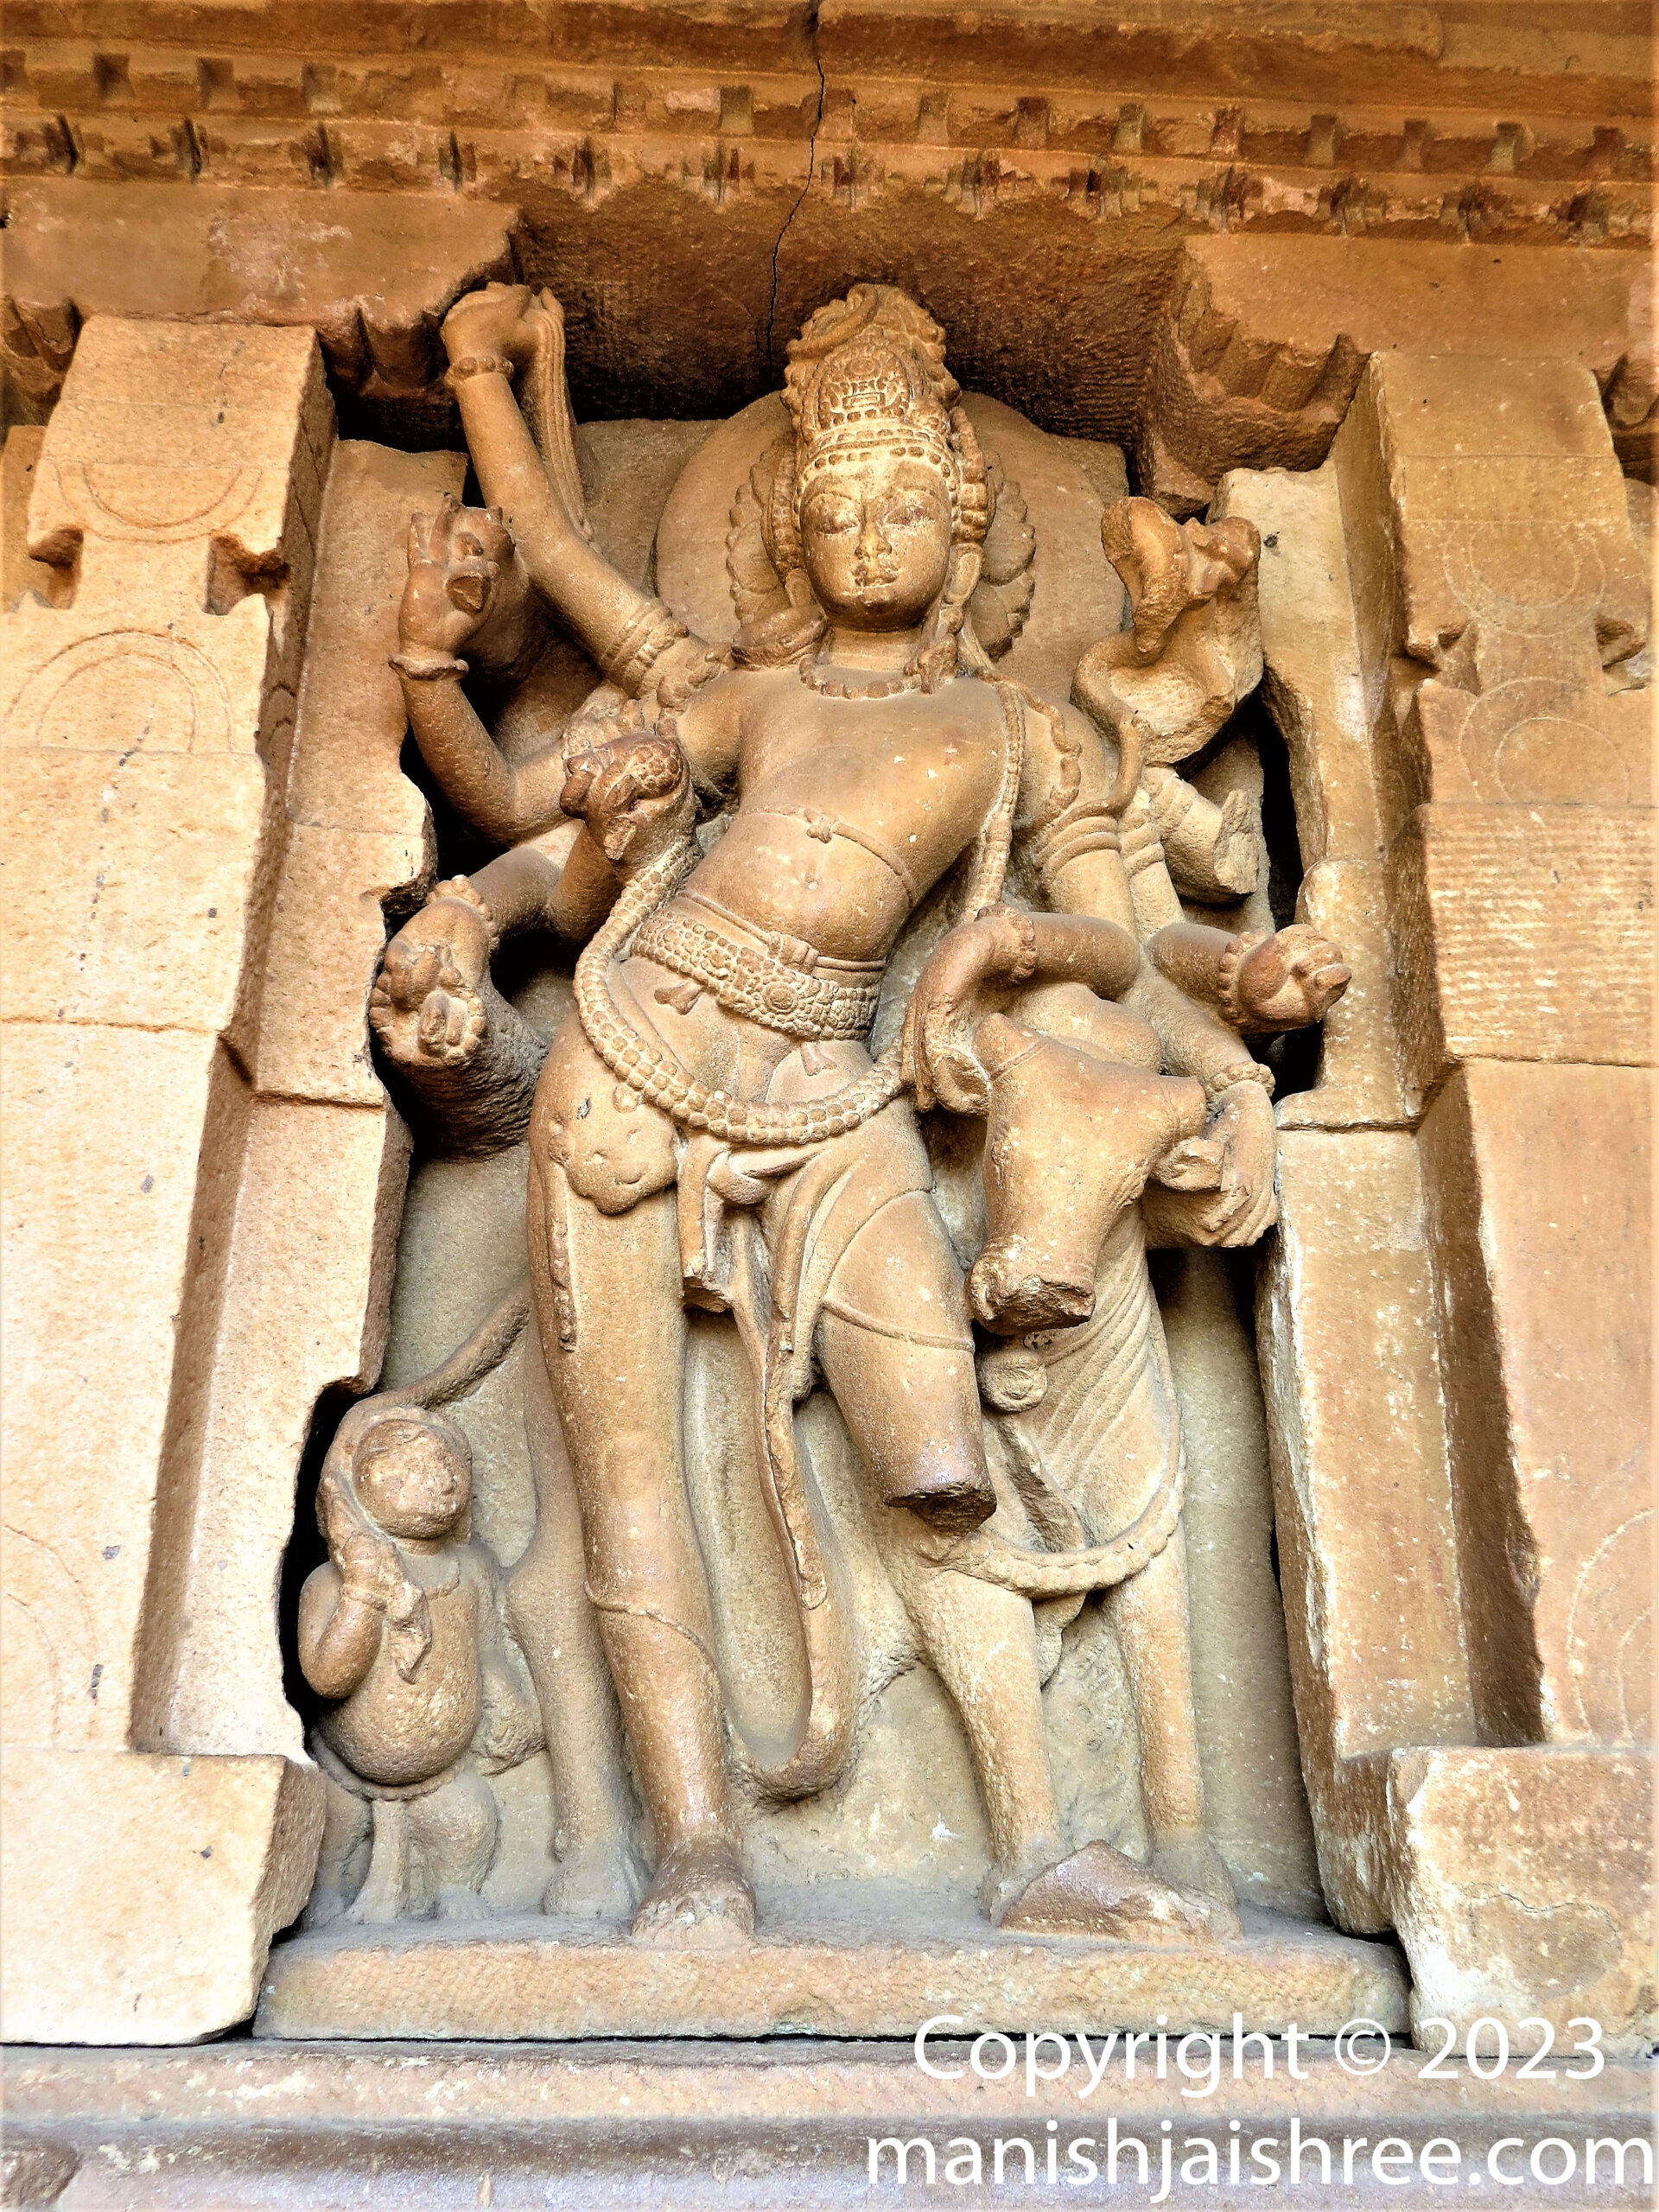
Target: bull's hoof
(1099,1891)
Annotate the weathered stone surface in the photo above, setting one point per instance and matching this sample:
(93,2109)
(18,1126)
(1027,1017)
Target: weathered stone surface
(1357,1082)
(1522,933)
(370,272)
(879,1966)
(345,772)
(1539,1202)
(132,883)
(1254,1801)
(1356,1423)
(1265,337)
(1311,676)
(18,572)
(1523,1888)
(672,2125)
(103,1135)
(359,833)
(1495,574)
(142,1892)
(301,1307)
(175,502)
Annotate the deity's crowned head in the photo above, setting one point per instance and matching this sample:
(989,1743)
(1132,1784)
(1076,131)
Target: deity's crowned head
(887,493)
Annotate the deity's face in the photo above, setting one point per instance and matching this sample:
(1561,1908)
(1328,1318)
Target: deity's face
(875,540)
(414,1481)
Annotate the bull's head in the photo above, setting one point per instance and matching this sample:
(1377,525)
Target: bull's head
(1072,1137)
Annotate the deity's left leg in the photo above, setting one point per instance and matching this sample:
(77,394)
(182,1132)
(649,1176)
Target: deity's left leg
(894,1345)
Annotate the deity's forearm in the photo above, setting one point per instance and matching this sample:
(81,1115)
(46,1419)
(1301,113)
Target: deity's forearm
(636,642)
(1195,1041)
(1203,964)
(505,800)
(525,889)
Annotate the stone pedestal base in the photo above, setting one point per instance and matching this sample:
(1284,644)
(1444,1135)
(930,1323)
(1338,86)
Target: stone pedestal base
(654,2125)
(821,1965)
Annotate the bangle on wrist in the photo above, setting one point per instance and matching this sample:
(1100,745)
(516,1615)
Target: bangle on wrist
(423,667)
(1235,953)
(463,888)
(478,365)
(1242,1071)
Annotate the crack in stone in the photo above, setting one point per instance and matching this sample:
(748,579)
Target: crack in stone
(811,166)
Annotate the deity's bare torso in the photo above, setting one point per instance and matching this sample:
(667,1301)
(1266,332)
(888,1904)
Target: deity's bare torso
(901,786)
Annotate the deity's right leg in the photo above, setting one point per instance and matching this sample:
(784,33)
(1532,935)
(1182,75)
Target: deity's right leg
(894,1344)
(614,1329)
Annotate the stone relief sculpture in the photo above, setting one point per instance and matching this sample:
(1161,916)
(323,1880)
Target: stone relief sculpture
(404,1626)
(850,912)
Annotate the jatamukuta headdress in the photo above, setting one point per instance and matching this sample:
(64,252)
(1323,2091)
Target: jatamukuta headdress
(867,373)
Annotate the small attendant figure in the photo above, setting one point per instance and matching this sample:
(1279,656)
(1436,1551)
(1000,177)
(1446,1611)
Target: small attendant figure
(404,1624)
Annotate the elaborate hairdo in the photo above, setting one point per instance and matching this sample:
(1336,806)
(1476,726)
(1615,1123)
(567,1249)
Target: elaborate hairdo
(868,372)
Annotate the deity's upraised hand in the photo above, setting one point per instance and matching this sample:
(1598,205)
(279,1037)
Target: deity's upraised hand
(458,560)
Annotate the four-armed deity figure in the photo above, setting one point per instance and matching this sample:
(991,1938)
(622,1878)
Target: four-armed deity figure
(757,826)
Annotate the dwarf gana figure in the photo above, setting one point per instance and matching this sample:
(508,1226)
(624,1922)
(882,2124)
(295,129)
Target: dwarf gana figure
(403,1624)
(710,1128)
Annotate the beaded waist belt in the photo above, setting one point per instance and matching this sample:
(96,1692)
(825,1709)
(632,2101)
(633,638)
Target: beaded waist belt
(778,981)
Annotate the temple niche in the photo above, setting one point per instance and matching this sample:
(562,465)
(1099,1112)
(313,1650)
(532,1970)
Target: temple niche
(828,1016)
(901,1828)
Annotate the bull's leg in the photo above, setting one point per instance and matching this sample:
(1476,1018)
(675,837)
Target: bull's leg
(1148,1614)
(613,1328)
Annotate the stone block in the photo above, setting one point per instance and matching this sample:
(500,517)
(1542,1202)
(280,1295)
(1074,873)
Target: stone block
(1522,933)
(18,573)
(1312,679)
(169,435)
(137,663)
(104,1151)
(303,1304)
(1538,1203)
(346,771)
(142,1892)
(131,885)
(814,1970)
(1362,1486)
(1489,545)
(1255,1805)
(1356,1082)
(315,2124)
(1523,1892)
(1266,335)
(347,265)
(1529,741)
(327,933)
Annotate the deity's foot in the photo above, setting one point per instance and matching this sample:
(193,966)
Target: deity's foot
(1099,1891)
(603,1881)
(1192,1864)
(698,1896)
